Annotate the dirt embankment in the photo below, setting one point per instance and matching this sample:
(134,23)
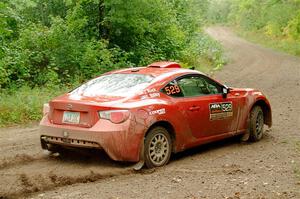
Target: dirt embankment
(227,169)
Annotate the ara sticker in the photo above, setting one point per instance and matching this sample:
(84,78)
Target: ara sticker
(158,112)
(219,111)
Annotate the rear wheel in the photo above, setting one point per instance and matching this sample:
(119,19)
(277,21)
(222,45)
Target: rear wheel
(158,147)
(256,125)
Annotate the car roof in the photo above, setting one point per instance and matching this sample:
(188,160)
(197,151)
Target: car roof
(156,72)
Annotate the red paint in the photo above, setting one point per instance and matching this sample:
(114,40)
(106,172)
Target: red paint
(188,116)
(164,64)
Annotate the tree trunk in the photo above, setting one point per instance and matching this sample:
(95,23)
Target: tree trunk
(101,27)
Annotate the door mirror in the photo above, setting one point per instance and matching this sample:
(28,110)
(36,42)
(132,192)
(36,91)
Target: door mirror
(225,91)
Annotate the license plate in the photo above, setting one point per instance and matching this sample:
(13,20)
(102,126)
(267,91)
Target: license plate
(71,117)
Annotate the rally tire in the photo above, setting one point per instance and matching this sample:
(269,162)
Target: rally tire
(256,124)
(158,147)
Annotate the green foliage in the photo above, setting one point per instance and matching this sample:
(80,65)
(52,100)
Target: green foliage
(24,104)
(277,18)
(145,27)
(286,45)
(293,27)
(41,54)
(52,42)
(209,50)
(8,22)
(218,11)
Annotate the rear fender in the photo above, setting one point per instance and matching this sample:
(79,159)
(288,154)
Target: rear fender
(169,118)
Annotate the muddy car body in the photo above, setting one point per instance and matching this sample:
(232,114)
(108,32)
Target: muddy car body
(146,113)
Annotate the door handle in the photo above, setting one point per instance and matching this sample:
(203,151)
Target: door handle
(194,108)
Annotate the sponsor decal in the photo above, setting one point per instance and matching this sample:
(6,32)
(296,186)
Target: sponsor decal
(219,111)
(158,112)
(145,92)
(152,95)
(149,93)
(152,90)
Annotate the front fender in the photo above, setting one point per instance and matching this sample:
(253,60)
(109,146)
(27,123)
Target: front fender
(261,100)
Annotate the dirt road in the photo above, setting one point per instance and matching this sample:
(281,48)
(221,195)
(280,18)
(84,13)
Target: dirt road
(228,169)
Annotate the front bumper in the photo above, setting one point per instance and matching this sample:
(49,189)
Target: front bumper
(120,141)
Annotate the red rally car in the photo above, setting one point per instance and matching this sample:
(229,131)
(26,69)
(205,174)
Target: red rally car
(144,114)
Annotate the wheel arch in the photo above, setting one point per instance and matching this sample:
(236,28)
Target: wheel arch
(169,127)
(266,108)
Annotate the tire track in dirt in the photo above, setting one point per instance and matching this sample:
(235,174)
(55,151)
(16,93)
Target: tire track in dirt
(26,169)
(49,172)
(16,160)
(25,184)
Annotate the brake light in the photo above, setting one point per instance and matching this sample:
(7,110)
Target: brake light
(115,116)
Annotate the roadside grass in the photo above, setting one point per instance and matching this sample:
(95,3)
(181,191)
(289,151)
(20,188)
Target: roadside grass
(25,104)
(277,43)
(206,55)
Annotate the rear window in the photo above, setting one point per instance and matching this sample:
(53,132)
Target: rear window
(114,85)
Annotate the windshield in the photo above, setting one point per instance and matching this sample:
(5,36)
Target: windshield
(114,85)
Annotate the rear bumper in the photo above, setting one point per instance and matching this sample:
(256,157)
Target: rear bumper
(120,141)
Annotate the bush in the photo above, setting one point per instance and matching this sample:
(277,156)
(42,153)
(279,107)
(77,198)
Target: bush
(210,51)
(24,104)
(45,55)
(278,20)
(293,27)
(76,40)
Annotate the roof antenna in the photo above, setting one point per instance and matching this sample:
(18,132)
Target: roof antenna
(192,68)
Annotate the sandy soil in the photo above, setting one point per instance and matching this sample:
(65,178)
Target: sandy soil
(227,169)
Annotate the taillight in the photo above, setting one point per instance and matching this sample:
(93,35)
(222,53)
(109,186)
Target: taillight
(115,116)
(46,109)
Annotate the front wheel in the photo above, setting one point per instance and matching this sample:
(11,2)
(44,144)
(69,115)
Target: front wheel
(256,125)
(158,147)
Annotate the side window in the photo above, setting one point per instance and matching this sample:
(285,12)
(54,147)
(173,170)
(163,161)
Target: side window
(190,86)
(197,86)
(213,87)
(172,89)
